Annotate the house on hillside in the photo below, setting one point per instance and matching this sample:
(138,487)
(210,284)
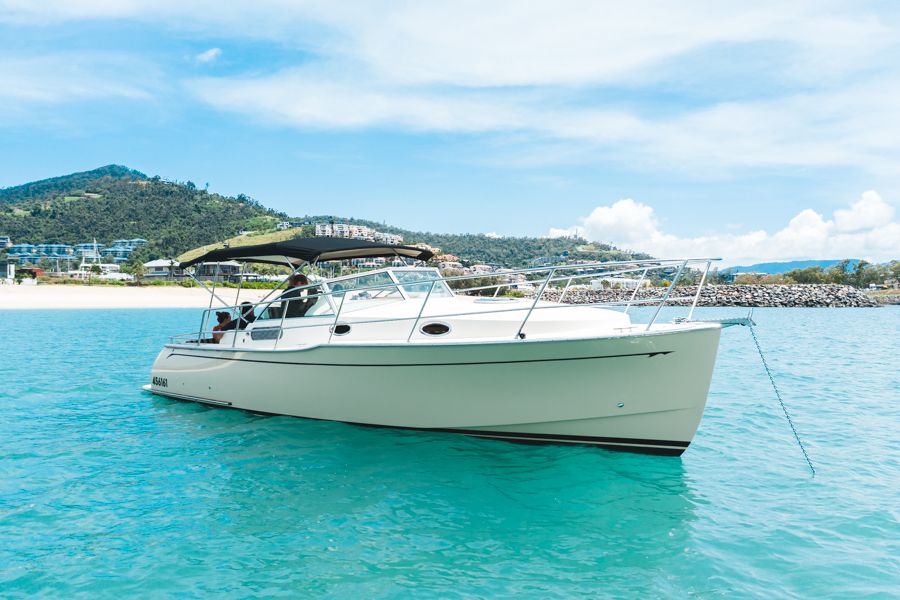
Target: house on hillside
(163,268)
(625,283)
(5,242)
(210,271)
(287,225)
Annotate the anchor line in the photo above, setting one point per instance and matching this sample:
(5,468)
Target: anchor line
(781,401)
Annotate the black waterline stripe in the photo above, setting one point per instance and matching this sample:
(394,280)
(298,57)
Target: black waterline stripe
(505,435)
(563,436)
(454,364)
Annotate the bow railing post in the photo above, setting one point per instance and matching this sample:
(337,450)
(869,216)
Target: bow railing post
(337,315)
(634,293)
(421,310)
(666,296)
(699,287)
(536,300)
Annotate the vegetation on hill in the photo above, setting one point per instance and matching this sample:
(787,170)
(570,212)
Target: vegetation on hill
(250,239)
(115,202)
(506,251)
(857,273)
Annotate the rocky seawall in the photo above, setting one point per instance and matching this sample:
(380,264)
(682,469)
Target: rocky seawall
(831,296)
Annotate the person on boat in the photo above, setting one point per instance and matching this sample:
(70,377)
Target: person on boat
(224,319)
(296,306)
(242,321)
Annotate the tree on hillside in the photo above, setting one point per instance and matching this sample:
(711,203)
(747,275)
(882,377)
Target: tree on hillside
(807,275)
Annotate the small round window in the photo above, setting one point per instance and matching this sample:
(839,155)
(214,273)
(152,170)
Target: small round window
(435,329)
(342,329)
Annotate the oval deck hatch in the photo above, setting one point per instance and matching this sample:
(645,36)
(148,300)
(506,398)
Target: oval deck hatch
(435,329)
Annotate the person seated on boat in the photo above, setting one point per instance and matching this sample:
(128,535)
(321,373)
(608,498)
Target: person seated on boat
(293,298)
(247,315)
(243,320)
(224,319)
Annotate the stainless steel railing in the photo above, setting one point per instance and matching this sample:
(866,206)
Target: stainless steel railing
(554,274)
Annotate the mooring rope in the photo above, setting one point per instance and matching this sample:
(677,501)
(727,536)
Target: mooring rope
(781,401)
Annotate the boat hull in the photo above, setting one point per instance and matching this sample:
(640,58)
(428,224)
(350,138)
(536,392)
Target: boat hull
(640,393)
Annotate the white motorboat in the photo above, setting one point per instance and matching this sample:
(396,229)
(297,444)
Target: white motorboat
(404,347)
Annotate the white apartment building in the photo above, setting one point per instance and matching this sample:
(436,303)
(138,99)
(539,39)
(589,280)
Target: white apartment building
(388,238)
(356,232)
(344,230)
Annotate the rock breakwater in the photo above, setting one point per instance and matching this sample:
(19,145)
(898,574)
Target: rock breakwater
(812,295)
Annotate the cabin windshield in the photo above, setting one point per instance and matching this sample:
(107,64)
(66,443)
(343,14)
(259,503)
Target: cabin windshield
(293,305)
(351,293)
(417,282)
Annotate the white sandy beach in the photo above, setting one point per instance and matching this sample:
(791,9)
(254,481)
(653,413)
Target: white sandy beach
(78,296)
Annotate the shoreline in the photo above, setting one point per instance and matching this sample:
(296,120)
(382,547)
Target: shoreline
(61,297)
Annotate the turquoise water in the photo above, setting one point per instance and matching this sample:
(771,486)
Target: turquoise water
(106,491)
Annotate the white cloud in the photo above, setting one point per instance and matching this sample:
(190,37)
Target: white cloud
(209,55)
(73,76)
(307,98)
(493,234)
(508,42)
(864,230)
(858,127)
(560,73)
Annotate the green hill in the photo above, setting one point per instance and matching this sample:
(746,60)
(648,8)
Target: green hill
(115,202)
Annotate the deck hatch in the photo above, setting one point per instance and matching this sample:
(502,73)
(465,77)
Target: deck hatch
(435,329)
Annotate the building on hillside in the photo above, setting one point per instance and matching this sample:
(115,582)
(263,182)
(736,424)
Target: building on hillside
(54,250)
(163,268)
(5,242)
(31,253)
(424,246)
(481,269)
(282,226)
(89,250)
(625,283)
(450,264)
(345,230)
(388,238)
(210,271)
(120,250)
(25,253)
(368,263)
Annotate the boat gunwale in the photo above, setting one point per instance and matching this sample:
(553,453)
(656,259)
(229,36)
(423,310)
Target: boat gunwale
(671,328)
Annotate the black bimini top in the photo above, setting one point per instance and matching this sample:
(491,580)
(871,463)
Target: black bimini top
(299,250)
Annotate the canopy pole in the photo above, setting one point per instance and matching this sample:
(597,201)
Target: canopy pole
(237,305)
(212,292)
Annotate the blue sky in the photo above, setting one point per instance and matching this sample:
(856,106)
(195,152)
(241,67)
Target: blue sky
(760,132)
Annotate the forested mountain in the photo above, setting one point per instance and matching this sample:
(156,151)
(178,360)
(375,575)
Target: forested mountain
(115,202)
